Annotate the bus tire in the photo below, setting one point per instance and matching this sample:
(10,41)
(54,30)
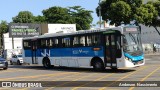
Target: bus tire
(98,66)
(46,63)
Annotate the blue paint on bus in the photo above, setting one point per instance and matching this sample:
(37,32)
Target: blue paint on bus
(134,58)
(67,52)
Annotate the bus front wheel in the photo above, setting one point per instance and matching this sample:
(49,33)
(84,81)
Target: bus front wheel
(46,63)
(98,66)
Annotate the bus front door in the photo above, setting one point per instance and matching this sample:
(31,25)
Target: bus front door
(111,50)
(34,49)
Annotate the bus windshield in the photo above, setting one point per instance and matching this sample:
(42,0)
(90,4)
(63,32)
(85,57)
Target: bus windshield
(132,42)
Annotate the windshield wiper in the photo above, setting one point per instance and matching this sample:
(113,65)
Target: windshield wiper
(132,37)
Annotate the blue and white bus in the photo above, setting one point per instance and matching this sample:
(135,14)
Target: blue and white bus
(117,47)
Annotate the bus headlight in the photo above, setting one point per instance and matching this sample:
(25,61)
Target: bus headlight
(128,59)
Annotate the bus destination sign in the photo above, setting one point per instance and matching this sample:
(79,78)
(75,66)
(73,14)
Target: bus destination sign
(130,29)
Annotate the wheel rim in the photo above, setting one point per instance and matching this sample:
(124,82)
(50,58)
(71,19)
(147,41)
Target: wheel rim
(98,65)
(46,64)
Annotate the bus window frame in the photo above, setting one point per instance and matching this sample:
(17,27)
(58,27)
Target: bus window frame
(101,38)
(29,42)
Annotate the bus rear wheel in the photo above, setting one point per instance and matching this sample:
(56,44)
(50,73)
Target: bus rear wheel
(98,66)
(46,63)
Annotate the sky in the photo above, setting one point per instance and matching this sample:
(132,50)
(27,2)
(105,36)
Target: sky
(11,8)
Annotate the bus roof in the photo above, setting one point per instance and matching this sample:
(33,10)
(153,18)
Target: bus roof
(74,33)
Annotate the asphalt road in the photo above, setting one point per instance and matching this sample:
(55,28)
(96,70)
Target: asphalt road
(86,78)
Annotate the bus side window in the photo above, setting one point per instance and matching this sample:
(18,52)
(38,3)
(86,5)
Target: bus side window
(82,41)
(119,51)
(93,40)
(66,42)
(79,41)
(96,40)
(89,43)
(50,42)
(75,41)
(27,44)
(55,42)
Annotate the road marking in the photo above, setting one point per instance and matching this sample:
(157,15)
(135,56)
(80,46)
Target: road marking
(93,81)
(103,88)
(146,77)
(54,79)
(37,76)
(12,71)
(72,80)
(66,77)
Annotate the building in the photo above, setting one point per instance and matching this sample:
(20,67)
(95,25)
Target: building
(12,41)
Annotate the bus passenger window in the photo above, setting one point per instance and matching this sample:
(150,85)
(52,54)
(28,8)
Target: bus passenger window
(75,41)
(55,42)
(50,43)
(27,44)
(89,43)
(82,41)
(93,40)
(79,41)
(43,43)
(66,42)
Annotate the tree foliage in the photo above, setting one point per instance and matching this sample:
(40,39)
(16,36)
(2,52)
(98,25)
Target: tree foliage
(124,11)
(39,19)
(23,17)
(3,27)
(57,15)
(81,17)
(146,14)
(72,15)
(118,11)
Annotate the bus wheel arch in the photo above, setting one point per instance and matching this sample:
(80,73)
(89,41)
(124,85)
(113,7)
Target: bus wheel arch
(46,63)
(97,64)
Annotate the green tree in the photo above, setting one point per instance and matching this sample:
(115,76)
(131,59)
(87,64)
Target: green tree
(81,17)
(118,11)
(57,15)
(39,19)
(156,20)
(71,15)
(3,29)
(23,17)
(148,14)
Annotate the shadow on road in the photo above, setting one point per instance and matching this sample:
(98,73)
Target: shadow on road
(70,69)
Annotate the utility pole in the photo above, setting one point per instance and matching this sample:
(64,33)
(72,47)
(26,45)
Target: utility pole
(99,14)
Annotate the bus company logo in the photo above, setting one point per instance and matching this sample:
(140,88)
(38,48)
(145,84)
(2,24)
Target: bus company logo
(80,52)
(44,53)
(6,84)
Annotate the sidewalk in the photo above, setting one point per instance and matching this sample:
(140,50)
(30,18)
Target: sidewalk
(156,53)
